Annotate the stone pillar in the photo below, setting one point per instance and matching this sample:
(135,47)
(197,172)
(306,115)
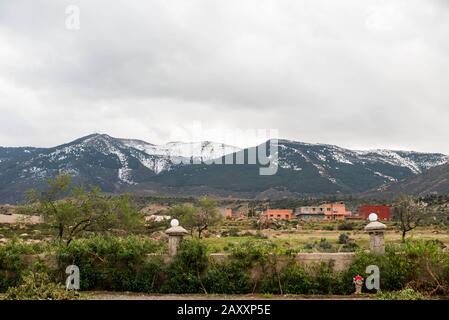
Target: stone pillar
(175,234)
(376,231)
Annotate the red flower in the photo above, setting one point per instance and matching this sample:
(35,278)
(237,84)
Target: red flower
(358,278)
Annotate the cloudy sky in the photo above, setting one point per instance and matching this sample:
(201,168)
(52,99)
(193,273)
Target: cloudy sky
(356,73)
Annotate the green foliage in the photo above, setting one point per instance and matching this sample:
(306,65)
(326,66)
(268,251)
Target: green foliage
(420,265)
(395,269)
(72,210)
(405,294)
(200,217)
(228,278)
(322,246)
(292,279)
(111,263)
(252,252)
(325,280)
(133,264)
(12,261)
(38,286)
(343,238)
(184,273)
(346,226)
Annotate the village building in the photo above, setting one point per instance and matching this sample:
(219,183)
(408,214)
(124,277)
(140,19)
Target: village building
(231,213)
(383,211)
(326,211)
(278,214)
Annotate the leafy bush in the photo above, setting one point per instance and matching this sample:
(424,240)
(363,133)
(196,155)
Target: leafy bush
(349,247)
(325,280)
(251,252)
(228,278)
(345,225)
(290,280)
(343,238)
(419,265)
(395,270)
(325,245)
(405,294)
(111,263)
(184,273)
(322,246)
(37,286)
(431,266)
(12,261)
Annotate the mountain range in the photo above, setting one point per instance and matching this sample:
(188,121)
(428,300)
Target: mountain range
(119,165)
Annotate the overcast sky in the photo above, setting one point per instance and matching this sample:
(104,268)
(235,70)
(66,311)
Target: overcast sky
(356,73)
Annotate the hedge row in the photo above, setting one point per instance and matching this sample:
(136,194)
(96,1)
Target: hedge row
(125,265)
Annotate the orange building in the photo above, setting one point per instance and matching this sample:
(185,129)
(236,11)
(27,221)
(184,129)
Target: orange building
(278,214)
(327,211)
(233,214)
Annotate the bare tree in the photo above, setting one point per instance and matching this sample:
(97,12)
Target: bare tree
(410,213)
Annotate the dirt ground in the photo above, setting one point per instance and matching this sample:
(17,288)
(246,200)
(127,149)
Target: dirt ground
(19,218)
(137,296)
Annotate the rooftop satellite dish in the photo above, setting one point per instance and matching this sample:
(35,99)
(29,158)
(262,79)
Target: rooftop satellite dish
(372,217)
(174,223)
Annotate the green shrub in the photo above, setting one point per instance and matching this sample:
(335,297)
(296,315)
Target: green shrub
(111,263)
(228,278)
(395,270)
(322,246)
(37,286)
(251,252)
(325,245)
(431,266)
(12,262)
(405,294)
(420,265)
(346,226)
(295,280)
(309,246)
(325,280)
(343,238)
(349,247)
(184,273)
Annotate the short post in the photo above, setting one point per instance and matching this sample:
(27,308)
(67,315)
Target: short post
(175,234)
(376,231)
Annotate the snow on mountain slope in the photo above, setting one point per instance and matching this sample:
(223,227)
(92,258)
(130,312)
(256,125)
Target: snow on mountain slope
(115,164)
(329,160)
(184,152)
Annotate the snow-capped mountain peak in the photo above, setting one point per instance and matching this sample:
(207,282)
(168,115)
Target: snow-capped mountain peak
(116,164)
(184,151)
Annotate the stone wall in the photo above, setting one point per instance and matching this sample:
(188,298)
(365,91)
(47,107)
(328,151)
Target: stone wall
(339,261)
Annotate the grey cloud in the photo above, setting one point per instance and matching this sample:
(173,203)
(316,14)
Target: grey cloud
(355,73)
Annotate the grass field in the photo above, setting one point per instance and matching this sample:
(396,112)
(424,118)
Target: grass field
(291,236)
(296,240)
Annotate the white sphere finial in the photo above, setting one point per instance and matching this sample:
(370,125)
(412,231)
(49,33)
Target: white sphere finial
(174,222)
(372,217)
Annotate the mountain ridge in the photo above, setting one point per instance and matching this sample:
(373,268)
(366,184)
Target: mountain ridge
(119,164)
